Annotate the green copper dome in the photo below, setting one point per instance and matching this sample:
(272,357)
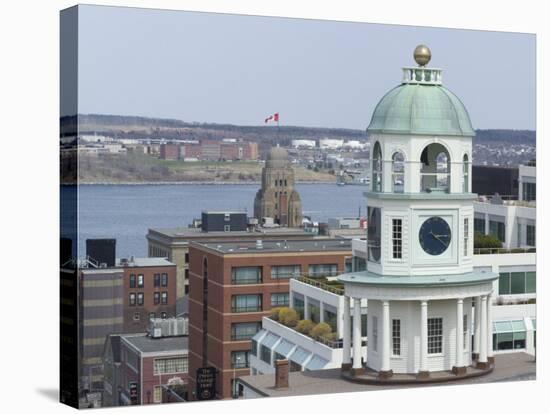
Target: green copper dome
(426,109)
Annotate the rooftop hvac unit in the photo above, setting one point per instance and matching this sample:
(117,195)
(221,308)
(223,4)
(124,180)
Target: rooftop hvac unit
(157,332)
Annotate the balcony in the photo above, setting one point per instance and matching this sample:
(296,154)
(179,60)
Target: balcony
(332,286)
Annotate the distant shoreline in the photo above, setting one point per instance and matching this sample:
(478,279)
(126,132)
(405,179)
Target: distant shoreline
(191,183)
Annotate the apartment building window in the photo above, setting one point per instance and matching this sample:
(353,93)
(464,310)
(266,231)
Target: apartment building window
(246,275)
(157,394)
(244,331)
(529,191)
(156,280)
(314,309)
(240,359)
(517,283)
(466,235)
(285,272)
(178,365)
(298,305)
(132,299)
(479,225)
(397,238)
(396,336)
(164,280)
(164,298)
(497,229)
(375,333)
(265,354)
(132,280)
(530,235)
(435,335)
(279,299)
(140,281)
(246,303)
(186,257)
(156,298)
(465,332)
(140,299)
(318,270)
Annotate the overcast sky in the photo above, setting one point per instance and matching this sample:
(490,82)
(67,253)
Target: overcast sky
(238,69)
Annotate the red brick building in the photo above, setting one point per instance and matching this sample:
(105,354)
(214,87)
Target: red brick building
(234,284)
(169,151)
(149,291)
(148,365)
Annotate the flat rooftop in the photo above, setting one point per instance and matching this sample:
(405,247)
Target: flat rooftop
(508,367)
(192,232)
(278,246)
(146,262)
(146,344)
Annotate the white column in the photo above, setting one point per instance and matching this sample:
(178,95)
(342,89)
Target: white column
(306,307)
(347,331)
(490,326)
(356,333)
(321,311)
(477,323)
(459,333)
(424,336)
(386,329)
(483,333)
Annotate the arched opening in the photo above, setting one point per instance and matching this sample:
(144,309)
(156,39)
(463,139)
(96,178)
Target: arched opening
(465,174)
(436,169)
(398,172)
(377,167)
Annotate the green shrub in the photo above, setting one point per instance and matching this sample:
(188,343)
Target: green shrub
(288,317)
(486,241)
(275,313)
(305,326)
(321,331)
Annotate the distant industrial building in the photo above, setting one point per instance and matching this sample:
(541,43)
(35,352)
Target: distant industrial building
(210,150)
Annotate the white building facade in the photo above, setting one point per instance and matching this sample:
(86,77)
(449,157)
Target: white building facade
(420,283)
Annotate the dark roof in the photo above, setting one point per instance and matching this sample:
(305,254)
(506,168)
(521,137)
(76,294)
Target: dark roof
(193,232)
(146,344)
(277,246)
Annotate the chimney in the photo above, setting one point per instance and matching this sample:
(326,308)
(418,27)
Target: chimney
(281,373)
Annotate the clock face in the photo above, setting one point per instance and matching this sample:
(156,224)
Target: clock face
(435,236)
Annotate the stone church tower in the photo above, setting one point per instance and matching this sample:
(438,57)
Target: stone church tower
(277,198)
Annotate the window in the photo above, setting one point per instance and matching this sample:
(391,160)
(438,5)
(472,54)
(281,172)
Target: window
(509,335)
(298,305)
(479,225)
(375,333)
(239,359)
(285,272)
(226,227)
(529,191)
(396,336)
(397,238)
(435,335)
(435,168)
(279,299)
(244,331)
(246,275)
(497,229)
(140,281)
(377,168)
(466,235)
(531,235)
(246,303)
(132,299)
(316,270)
(314,309)
(157,394)
(156,298)
(465,174)
(132,280)
(398,172)
(465,332)
(186,257)
(136,316)
(295,367)
(227,217)
(171,365)
(265,354)
(517,283)
(164,298)
(140,299)
(364,326)
(330,316)
(164,280)
(156,280)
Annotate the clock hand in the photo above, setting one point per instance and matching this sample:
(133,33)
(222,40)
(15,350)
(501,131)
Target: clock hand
(436,236)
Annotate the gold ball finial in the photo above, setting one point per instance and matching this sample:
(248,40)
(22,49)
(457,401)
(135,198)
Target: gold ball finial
(422,55)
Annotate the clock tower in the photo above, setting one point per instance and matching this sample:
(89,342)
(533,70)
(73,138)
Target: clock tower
(419,281)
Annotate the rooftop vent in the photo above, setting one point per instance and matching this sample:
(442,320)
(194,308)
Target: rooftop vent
(259,244)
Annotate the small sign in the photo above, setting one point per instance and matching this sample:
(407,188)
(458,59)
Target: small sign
(206,383)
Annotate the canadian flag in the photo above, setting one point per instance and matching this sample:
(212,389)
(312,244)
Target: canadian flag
(274,117)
